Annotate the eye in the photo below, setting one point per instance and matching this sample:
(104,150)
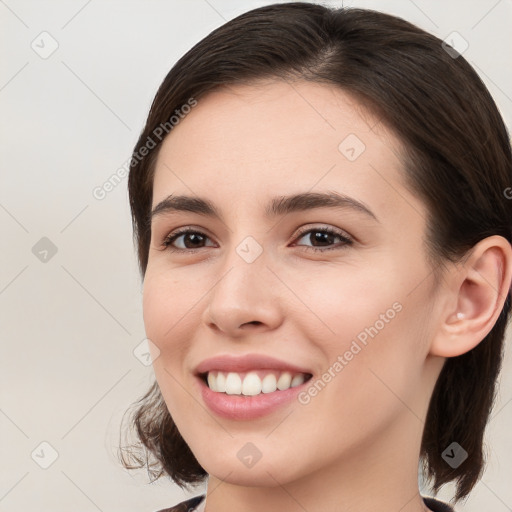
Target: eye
(325,236)
(192,239)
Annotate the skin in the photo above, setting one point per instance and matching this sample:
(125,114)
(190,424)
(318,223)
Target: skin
(355,445)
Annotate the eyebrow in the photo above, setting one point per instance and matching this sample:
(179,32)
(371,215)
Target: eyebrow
(278,206)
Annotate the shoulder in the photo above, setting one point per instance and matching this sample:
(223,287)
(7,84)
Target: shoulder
(186,506)
(191,504)
(436,505)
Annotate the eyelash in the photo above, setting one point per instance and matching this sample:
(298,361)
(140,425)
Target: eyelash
(345,240)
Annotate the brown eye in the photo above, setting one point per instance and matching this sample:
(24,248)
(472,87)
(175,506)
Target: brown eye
(190,239)
(325,236)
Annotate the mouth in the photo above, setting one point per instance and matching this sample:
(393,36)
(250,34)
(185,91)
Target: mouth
(254,382)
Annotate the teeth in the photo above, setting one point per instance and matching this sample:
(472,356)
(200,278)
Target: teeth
(284,381)
(212,382)
(297,380)
(220,382)
(269,383)
(251,384)
(233,384)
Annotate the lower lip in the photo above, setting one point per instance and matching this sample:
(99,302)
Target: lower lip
(241,407)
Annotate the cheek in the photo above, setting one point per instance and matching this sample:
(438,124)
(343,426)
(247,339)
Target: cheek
(168,312)
(343,302)
(169,305)
(370,331)
(366,385)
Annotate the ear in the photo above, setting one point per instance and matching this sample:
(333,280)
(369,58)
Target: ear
(475,294)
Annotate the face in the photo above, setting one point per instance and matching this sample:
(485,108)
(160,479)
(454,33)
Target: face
(339,292)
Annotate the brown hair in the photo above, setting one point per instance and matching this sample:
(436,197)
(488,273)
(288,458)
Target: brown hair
(457,159)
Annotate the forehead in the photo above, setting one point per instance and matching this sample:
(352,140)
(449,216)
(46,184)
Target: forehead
(276,138)
(274,116)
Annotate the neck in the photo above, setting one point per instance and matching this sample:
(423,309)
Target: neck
(381,475)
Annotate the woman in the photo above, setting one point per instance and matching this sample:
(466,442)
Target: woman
(318,199)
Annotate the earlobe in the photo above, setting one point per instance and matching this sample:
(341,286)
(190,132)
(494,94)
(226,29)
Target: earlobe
(477,289)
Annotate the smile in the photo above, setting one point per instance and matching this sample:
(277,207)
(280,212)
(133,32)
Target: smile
(254,382)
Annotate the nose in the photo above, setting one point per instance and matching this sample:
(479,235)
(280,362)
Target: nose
(245,299)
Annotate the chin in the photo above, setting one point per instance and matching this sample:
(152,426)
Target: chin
(246,477)
(230,469)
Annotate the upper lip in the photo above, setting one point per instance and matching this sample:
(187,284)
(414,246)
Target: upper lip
(228,363)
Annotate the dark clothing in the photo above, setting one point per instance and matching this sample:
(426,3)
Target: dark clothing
(437,506)
(186,506)
(191,504)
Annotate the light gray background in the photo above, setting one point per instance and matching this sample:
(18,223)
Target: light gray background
(69,325)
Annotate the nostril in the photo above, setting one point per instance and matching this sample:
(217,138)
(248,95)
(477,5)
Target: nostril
(254,322)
